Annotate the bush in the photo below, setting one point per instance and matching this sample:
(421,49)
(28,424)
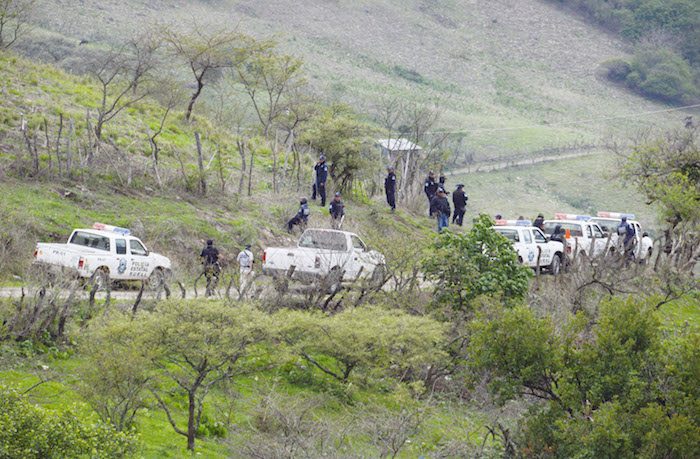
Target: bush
(617,69)
(29,431)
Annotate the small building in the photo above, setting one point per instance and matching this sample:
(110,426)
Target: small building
(395,149)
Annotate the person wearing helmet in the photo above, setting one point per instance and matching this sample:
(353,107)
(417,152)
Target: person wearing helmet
(212,268)
(321,170)
(302,216)
(337,210)
(390,188)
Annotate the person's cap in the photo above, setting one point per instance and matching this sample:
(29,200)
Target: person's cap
(210,242)
(303,200)
(337,193)
(322,158)
(460,185)
(540,215)
(389,168)
(247,246)
(498,216)
(624,219)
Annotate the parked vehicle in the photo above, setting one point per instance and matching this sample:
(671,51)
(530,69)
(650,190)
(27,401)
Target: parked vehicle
(532,245)
(584,237)
(609,221)
(104,252)
(331,255)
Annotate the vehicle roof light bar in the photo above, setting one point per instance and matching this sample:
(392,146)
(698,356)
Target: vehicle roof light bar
(111,228)
(603,214)
(565,216)
(513,223)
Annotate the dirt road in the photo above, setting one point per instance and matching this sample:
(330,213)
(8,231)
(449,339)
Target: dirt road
(488,167)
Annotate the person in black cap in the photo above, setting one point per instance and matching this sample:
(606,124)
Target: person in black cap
(390,188)
(337,210)
(459,199)
(212,268)
(441,183)
(302,216)
(321,169)
(440,209)
(539,222)
(430,187)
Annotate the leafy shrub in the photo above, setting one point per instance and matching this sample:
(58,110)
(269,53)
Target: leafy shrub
(617,69)
(29,431)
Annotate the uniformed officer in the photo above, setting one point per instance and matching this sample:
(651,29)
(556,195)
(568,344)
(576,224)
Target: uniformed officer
(459,199)
(337,210)
(321,169)
(390,188)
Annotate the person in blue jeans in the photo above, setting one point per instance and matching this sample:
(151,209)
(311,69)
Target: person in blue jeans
(440,208)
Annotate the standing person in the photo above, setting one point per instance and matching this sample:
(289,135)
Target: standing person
(321,169)
(390,188)
(212,268)
(499,217)
(626,231)
(245,261)
(459,199)
(441,183)
(337,210)
(440,208)
(302,216)
(430,188)
(539,222)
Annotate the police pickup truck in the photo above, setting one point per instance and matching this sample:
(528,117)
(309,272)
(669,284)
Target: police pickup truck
(583,237)
(609,221)
(328,255)
(104,252)
(532,245)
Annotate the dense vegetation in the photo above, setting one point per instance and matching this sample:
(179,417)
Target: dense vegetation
(666,61)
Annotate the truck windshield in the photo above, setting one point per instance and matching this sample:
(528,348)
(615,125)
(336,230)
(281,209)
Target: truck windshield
(93,241)
(510,234)
(574,229)
(327,240)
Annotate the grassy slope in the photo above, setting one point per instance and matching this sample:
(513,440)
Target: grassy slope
(490,64)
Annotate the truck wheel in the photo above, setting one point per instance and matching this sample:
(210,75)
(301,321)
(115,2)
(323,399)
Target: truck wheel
(100,279)
(332,282)
(555,267)
(156,279)
(378,275)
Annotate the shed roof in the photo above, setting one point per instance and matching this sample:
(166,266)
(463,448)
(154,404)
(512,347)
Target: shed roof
(398,145)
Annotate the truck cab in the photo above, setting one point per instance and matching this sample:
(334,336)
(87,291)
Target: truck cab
(583,236)
(532,245)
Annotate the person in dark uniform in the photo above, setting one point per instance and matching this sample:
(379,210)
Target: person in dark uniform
(539,222)
(390,188)
(558,235)
(459,199)
(337,210)
(302,217)
(441,183)
(321,169)
(212,268)
(430,187)
(440,208)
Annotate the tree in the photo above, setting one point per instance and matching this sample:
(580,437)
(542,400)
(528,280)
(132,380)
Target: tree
(611,385)
(339,134)
(267,79)
(205,54)
(116,371)
(480,262)
(197,346)
(122,73)
(15,16)
(371,339)
(667,171)
(29,431)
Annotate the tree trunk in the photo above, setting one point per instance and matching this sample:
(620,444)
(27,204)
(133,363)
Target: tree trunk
(250,172)
(200,164)
(191,428)
(190,106)
(241,151)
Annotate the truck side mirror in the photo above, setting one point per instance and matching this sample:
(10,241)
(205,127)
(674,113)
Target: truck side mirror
(645,234)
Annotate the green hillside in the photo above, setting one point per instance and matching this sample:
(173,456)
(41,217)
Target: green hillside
(525,66)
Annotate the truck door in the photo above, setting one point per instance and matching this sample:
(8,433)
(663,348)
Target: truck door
(600,239)
(140,264)
(123,259)
(541,243)
(528,249)
(359,259)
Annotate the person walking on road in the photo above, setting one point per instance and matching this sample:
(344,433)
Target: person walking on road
(390,188)
(302,216)
(321,169)
(459,199)
(440,208)
(212,268)
(245,262)
(337,210)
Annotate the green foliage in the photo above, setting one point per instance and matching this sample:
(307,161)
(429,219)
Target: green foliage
(614,387)
(338,133)
(662,74)
(29,431)
(373,341)
(480,262)
(617,69)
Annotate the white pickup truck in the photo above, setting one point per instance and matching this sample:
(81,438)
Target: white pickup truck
(323,254)
(584,237)
(528,241)
(609,221)
(105,252)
